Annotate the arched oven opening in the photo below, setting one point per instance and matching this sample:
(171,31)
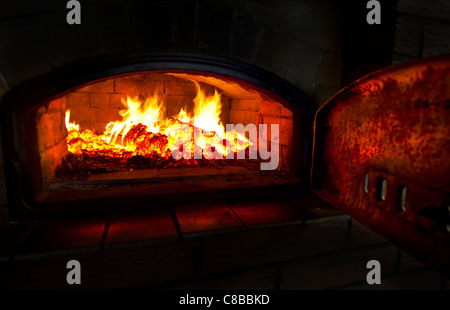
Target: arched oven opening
(153,131)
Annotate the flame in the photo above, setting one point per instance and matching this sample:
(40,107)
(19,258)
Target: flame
(143,131)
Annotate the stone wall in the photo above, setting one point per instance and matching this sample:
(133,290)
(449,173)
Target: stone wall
(422,30)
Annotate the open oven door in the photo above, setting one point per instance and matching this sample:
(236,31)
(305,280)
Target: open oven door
(382,155)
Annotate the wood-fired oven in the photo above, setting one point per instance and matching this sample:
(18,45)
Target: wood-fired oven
(149,104)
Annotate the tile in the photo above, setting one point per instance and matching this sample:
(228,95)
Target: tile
(198,218)
(140,226)
(256,247)
(336,269)
(311,208)
(264,213)
(360,235)
(419,279)
(61,235)
(408,262)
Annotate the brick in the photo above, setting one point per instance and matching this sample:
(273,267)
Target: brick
(85,124)
(116,101)
(99,87)
(50,129)
(286,128)
(285,158)
(105,115)
(245,104)
(234,104)
(12,235)
(237,116)
(180,88)
(77,100)
(285,112)
(178,102)
(251,117)
(80,114)
(151,88)
(269,107)
(62,235)
(128,86)
(140,226)
(96,127)
(99,100)
(261,213)
(95,115)
(337,269)
(50,158)
(206,217)
(269,120)
(56,105)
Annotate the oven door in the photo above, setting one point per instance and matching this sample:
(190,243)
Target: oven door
(381,154)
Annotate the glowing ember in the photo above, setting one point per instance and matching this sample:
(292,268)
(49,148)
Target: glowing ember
(142,131)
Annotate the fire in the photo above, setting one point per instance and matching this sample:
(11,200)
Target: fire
(143,131)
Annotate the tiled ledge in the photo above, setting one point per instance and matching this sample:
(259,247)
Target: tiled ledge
(182,242)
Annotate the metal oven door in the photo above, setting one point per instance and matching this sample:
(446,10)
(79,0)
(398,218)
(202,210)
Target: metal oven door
(382,155)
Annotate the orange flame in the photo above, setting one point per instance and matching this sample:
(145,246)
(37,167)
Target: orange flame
(143,131)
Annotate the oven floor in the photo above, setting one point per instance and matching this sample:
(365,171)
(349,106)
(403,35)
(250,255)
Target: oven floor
(290,243)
